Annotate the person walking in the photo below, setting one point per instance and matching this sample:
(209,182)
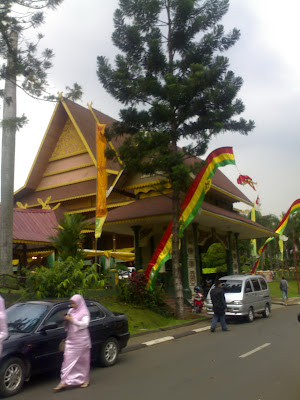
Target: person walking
(219,306)
(75,368)
(284,288)
(3,323)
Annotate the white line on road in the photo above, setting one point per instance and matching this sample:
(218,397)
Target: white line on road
(205,328)
(160,340)
(254,350)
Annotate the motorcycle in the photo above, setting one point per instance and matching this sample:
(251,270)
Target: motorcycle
(198,301)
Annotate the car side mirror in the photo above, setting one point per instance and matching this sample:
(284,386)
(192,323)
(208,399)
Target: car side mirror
(51,325)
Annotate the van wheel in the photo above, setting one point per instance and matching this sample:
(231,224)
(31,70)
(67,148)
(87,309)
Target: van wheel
(266,312)
(250,316)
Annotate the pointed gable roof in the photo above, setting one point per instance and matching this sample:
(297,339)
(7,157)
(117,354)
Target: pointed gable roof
(84,123)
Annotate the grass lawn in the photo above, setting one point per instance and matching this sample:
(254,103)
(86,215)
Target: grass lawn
(141,319)
(276,292)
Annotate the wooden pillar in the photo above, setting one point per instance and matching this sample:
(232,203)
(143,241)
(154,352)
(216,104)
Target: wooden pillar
(137,250)
(229,255)
(237,251)
(184,267)
(200,248)
(197,255)
(24,257)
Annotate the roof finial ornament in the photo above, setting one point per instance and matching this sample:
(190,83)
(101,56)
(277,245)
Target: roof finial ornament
(60,95)
(21,205)
(89,105)
(45,204)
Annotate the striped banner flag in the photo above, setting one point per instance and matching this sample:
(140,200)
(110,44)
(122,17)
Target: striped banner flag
(189,209)
(101,210)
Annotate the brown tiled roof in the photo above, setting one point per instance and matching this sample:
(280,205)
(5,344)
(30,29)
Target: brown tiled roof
(150,206)
(162,205)
(62,192)
(33,225)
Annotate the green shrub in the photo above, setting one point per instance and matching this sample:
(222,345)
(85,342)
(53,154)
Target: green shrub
(134,291)
(64,279)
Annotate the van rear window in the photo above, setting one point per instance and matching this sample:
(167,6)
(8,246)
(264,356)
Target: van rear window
(232,286)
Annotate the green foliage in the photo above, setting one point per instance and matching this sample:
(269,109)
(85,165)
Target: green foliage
(26,61)
(215,257)
(292,231)
(69,236)
(134,291)
(171,65)
(270,257)
(64,279)
(246,268)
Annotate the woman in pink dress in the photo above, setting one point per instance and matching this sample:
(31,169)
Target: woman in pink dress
(3,323)
(76,364)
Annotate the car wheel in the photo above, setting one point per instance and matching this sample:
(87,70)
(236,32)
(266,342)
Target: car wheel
(266,312)
(109,352)
(250,316)
(11,376)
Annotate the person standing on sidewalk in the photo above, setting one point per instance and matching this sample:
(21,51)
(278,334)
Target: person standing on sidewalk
(219,306)
(284,288)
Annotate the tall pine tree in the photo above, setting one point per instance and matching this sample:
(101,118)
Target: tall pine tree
(23,66)
(176,84)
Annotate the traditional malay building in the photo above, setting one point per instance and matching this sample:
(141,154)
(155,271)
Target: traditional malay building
(63,177)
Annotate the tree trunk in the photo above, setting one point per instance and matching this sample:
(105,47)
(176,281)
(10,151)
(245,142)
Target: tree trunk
(175,258)
(8,162)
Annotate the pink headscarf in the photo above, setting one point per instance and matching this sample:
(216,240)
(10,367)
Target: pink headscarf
(81,309)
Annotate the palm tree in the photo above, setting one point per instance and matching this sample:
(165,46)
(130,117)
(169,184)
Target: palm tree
(69,235)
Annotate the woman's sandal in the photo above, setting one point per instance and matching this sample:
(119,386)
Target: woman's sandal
(59,387)
(85,384)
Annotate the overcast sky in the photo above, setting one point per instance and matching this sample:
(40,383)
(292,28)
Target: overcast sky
(266,57)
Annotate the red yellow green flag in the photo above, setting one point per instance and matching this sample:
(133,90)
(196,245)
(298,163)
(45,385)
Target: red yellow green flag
(279,230)
(101,210)
(189,209)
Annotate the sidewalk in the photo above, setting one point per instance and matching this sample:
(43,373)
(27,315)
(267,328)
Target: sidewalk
(291,301)
(150,338)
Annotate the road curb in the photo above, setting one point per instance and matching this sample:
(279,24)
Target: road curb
(133,347)
(168,328)
(165,339)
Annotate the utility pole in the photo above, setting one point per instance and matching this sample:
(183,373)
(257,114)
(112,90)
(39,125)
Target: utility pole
(295,261)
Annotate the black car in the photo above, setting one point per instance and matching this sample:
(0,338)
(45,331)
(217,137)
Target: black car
(36,333)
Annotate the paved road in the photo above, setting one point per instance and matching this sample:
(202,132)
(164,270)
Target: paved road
(258,361)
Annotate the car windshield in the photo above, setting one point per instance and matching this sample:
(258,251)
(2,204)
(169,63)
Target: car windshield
(24,317)
(232,286)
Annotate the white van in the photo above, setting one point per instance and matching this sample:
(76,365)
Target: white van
(245,295)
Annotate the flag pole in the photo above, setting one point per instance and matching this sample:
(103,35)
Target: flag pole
(96,244)
(295,260)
